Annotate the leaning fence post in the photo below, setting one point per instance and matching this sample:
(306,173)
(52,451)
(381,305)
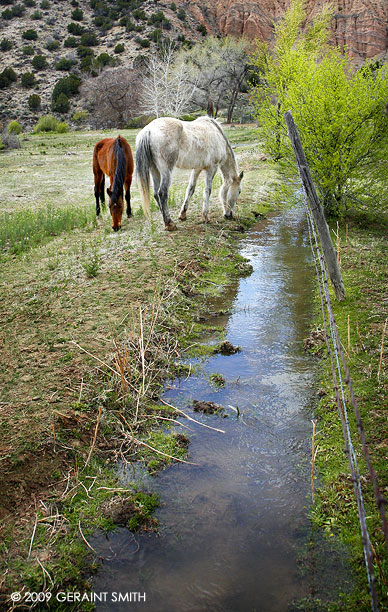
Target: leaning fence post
(316,208)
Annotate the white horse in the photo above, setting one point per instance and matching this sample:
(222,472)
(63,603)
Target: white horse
(198,145)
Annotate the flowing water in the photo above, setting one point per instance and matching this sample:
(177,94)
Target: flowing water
(233,526)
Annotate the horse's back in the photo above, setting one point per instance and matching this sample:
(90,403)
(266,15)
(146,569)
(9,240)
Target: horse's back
(103,154)
(186,144)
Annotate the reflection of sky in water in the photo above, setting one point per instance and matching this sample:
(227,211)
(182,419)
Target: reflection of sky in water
(230,526)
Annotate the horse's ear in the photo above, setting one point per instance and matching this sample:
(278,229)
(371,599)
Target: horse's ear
(108,191)
(241,175)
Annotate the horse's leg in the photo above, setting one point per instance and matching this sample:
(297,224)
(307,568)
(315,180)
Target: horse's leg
(155,174)
(206,193)
(163,200)
(127,186)
(189,192)
(98,176)
(102,191)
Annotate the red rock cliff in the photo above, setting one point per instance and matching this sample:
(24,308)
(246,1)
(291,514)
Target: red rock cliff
(361,25)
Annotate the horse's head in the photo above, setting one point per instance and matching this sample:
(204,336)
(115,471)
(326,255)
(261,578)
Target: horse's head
(229,193)
(116,207)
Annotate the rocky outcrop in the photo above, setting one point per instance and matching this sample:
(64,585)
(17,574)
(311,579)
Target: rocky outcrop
(359,25)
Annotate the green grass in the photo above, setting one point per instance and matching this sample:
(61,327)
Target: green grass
(364,258)
(25,229)
(67,278)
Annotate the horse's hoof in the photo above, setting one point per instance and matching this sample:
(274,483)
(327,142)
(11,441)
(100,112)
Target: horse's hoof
(182,216)
(205,219)
(228,216)
(171,227)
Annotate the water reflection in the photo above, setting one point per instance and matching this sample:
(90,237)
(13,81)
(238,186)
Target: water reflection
(231,527)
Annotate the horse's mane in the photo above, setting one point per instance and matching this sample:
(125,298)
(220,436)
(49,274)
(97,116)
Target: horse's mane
(121,166)
(219,128)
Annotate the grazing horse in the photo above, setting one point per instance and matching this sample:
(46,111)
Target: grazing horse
(113,157)
(196,145)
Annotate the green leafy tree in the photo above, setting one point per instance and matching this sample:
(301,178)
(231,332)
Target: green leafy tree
(338,111)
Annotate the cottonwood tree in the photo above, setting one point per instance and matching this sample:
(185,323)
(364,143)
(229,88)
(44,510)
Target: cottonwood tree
(114,97)
(339,112)
(218,70)
(166,88)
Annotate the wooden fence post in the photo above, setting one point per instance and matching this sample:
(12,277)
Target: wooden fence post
(316,209)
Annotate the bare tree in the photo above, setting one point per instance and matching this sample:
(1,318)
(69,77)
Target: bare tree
(166,88)
(218,68)
(114,97)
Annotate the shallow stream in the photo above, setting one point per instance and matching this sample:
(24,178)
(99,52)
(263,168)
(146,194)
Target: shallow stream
(233,527)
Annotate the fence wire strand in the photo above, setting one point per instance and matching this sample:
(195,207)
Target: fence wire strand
(336,358)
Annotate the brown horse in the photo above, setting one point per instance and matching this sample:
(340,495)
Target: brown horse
(113,157)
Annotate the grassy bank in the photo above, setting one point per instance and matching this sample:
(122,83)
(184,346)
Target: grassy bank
(360,319)
(92,324)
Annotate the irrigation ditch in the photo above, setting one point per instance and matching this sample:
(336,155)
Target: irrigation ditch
(109,338)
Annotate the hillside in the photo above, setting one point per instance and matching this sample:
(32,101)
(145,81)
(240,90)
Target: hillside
(48,39)
(136,25)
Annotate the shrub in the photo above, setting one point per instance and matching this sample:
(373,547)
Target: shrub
(143,42)
(30,34)
(119,48)
(104,59)
(61,104)
(46,123)
(18,10)
(68,85)
(34,102)
(29,3)
(77,14)
(104,23)
(62,127)
(86,63)
(181,14)
(39,62)
(7,14)
(45,5)
(202,29)
(6,44)
(173,6)
(89,39)
(139,14)
(37,15)
(64,64)
(84,51)
(156,35)
(27,50)
(7,77)
(75,28)
(80,116)
(14,127)
(28,80)
(9,141)
(71,41)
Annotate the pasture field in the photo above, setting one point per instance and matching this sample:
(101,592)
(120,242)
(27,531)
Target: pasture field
(68,281)
(92,322)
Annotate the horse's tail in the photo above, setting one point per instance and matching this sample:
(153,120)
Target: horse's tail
(143,161)
(121,168)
